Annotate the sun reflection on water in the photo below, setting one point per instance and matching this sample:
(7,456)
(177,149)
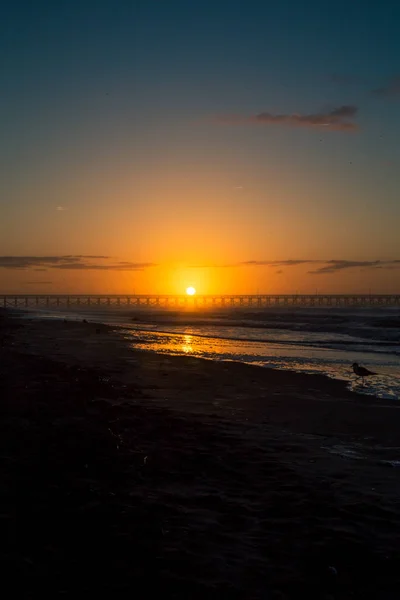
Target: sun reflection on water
(187,344)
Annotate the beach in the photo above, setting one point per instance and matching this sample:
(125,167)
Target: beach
(133,473)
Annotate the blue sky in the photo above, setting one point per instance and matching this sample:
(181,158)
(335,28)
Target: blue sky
(105,106)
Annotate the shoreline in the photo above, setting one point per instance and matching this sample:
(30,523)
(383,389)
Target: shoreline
(124,468)
(120,329)
(316,356)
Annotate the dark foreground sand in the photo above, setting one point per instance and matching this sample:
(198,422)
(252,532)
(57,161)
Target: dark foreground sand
(132,475)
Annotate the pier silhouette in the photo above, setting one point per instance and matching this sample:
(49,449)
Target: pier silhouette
(205,301)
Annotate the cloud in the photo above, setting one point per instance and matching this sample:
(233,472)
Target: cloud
(338,119)
(278,272)
(61,208)
(258,263)
(37,283)
(94,256)
(390,90)
(327,266)
(107,267)
(333,266)
(71,262)
(275,263)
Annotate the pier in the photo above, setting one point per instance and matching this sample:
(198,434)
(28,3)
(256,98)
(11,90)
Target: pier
(74,301)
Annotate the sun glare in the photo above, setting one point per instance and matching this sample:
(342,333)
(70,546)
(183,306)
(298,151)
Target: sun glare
(190,291)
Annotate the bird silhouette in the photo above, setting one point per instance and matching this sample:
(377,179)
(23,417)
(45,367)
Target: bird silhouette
(362,371)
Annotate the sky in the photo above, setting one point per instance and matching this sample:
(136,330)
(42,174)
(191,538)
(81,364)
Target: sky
(236,146)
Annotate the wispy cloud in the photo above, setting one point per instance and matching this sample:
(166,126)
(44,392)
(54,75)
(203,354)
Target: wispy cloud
(257,263)
(327,266)
(61,208)
(338,119)
(123,266)
(333,266)
(390,90)
(37,283)
(71,262)
(275,263)
(107,263)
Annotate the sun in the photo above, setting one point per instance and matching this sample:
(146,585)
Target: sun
(190,291)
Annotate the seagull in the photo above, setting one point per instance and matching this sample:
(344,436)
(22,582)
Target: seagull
(362,371)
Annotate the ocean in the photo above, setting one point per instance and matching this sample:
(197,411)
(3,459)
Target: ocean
(315,340)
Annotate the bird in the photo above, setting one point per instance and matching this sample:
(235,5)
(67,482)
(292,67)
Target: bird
(362,371)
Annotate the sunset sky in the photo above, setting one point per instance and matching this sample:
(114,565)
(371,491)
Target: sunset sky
(236,146)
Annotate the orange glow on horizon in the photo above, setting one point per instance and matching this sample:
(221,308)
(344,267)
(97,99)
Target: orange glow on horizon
(176,278)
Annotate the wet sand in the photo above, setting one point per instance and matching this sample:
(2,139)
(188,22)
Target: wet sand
(133,474)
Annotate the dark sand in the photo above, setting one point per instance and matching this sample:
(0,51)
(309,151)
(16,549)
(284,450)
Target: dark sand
(133,475)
